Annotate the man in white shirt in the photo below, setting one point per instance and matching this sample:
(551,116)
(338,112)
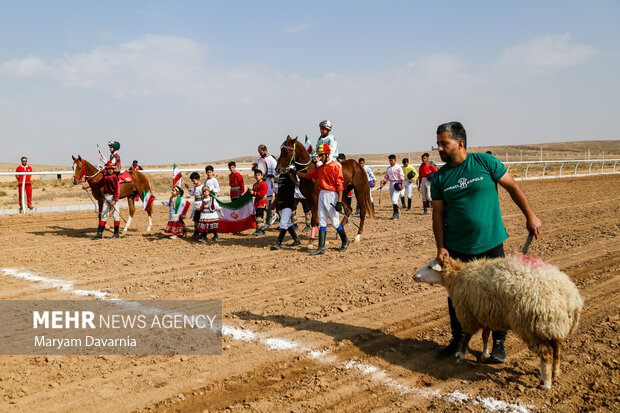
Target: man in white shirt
(267,163)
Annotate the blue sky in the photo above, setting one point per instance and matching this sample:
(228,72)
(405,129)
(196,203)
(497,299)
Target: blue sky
(196,81)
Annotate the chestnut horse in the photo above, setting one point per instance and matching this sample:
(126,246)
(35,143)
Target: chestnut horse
(293,152)
(83,171)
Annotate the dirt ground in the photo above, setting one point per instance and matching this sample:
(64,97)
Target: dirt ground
(342,332)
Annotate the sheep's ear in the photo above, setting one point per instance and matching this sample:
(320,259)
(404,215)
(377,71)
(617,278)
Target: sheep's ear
(436,267)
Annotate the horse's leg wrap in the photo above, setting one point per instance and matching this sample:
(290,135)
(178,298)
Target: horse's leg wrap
(127,224)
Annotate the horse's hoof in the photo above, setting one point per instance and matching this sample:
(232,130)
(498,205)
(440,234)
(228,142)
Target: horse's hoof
(544,386)
(357,238)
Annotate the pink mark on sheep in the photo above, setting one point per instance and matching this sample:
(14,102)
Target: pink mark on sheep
(533,262)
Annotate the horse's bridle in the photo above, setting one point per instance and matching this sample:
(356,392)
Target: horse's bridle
(293,161)
(84,178)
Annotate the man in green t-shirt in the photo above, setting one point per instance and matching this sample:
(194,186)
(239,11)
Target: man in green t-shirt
(467,221)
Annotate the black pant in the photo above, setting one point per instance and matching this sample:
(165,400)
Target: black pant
(497,252)
(304,205)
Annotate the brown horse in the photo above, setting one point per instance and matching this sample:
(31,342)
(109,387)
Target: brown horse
(83,171)
(293,152)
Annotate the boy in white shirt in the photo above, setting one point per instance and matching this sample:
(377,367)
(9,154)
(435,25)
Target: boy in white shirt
(212,180)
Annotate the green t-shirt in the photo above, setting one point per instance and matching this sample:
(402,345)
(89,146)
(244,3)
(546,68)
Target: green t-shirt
(472,217)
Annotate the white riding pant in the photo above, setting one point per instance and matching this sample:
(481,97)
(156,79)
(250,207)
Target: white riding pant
(107,198)
(285,218)
(327,200)
(394,194)
(425,188)
(408,189)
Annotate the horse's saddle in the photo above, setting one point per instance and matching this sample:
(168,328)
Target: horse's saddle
(124,177)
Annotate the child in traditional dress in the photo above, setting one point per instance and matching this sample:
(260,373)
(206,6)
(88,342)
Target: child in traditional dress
(235,180)
(259,191)
(196,193)
(210,213)
(212,180)
(177,210)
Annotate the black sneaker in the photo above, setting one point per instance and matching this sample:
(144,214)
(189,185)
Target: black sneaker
(451,349)
(498,353)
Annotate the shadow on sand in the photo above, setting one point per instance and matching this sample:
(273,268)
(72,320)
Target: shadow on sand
(414,355)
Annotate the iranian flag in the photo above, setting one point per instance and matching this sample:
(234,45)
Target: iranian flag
(238,214)
(308,145)
(176,175)
(148,199)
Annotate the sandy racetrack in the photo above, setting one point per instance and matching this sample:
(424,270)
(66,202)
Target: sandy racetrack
(342,332)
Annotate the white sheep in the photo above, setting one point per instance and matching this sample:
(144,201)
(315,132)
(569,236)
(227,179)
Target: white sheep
(534,299)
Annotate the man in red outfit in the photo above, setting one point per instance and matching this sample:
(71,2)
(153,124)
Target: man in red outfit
(23,182)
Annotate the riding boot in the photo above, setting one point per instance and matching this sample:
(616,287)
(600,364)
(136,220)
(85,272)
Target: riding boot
(321,249)
(296,240)
(278,244)
(115,232)
(409,204)
(99,233)
(345,240)
(396,215)
(425,210)
(402,200)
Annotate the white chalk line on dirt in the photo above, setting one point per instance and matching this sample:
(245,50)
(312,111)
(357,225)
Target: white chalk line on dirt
(275,343)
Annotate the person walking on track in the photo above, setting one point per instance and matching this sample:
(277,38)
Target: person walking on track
(330,181)
(111,193)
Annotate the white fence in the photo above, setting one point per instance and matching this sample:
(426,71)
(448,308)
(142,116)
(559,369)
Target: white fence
(529,169)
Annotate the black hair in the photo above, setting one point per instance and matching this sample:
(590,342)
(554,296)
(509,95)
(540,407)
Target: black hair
(456,129)
(194,175)
(181,192)
(208,168)
(342,156)
(490,153)
(425,154)
(361,160)
(232,163)
(392,156)
(135,161)
(258,171)
(263,147)
(405,160)
(23,157)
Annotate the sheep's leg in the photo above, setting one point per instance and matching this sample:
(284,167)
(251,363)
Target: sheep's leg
(555,345)
(486,352)
(546,356)
(460,355)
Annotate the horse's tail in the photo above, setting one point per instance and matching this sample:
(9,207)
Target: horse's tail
(141,183)
(363,192)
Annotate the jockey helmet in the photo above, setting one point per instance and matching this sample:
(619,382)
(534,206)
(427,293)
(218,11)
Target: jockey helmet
(324,148)
(326,124)
(115,145)
(109,164)
(398,186)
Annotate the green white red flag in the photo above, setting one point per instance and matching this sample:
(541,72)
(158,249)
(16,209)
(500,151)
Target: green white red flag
(147,199)
(176,175)
(308,145)
(238,215)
